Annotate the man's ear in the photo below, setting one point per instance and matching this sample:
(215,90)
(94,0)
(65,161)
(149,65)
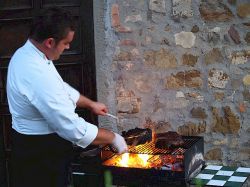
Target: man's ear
(50,43)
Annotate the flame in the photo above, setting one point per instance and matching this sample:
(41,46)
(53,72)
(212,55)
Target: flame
(124,160)
(153,136)
(134,160)
(130,160)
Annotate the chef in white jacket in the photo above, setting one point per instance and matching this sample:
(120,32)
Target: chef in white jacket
(43,107)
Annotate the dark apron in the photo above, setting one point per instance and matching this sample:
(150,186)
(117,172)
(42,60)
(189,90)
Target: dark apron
(40,160)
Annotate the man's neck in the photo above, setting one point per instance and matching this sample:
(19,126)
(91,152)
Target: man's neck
(39,46)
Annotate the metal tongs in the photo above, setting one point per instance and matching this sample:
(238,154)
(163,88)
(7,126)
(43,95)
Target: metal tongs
(112,116)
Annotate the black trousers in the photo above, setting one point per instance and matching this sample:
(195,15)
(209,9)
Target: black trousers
(40,160)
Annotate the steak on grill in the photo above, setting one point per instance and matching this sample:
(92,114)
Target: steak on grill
(168,140)
(137,136)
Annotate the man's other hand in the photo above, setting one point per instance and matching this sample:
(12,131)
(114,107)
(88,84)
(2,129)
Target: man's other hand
(120,144)
(99,108)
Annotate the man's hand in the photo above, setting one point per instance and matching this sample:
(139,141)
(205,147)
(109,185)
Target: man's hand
(95,107)
(120,144)
(98,108)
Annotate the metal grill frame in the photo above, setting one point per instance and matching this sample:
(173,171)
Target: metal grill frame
(193,146)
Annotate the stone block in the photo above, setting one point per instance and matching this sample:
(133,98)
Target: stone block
(247,38)
(157,6)
(246,80)
(128,103)
(227,124)
(233,33)
(198,113)
(133,18)
(215,10)
(239,57)
(185,39)
(191,79)
(192,129)
(219,96)
(182,8)
(217,78)
(243,10)
(195,29)
(162,59)
(213,56)
(196,96)
(189,59)
(214,154)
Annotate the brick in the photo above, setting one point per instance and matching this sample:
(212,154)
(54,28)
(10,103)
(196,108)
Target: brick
(115,15)
(123,29)
(127,42)
(242,107)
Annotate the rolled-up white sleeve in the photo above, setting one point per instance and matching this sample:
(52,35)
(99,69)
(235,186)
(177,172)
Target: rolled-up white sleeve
(73,93)
(52,100)
(89,136)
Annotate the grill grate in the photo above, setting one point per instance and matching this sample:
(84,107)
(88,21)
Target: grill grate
(189,141)
(149,148)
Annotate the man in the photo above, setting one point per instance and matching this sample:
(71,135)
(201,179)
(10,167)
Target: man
(43,106)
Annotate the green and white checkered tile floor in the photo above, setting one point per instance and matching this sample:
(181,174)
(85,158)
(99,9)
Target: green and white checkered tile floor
(213,175)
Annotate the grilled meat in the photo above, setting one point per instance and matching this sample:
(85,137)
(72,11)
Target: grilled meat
(137,136)
(168,140)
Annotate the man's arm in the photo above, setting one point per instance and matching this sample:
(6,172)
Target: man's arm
(96,107)
(84,102)
(105,137)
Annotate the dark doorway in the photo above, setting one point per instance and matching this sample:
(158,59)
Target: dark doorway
(76,66)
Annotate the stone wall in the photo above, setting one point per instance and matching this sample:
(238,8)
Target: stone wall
(180,65)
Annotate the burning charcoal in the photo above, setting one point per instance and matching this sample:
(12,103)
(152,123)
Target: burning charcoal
(137,136)
(167,140)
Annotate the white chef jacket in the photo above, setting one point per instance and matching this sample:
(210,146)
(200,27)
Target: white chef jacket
(39,100)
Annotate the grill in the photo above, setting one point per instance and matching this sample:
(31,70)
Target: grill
(157,167)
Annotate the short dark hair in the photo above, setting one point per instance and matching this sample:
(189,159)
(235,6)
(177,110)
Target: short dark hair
(51,23)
